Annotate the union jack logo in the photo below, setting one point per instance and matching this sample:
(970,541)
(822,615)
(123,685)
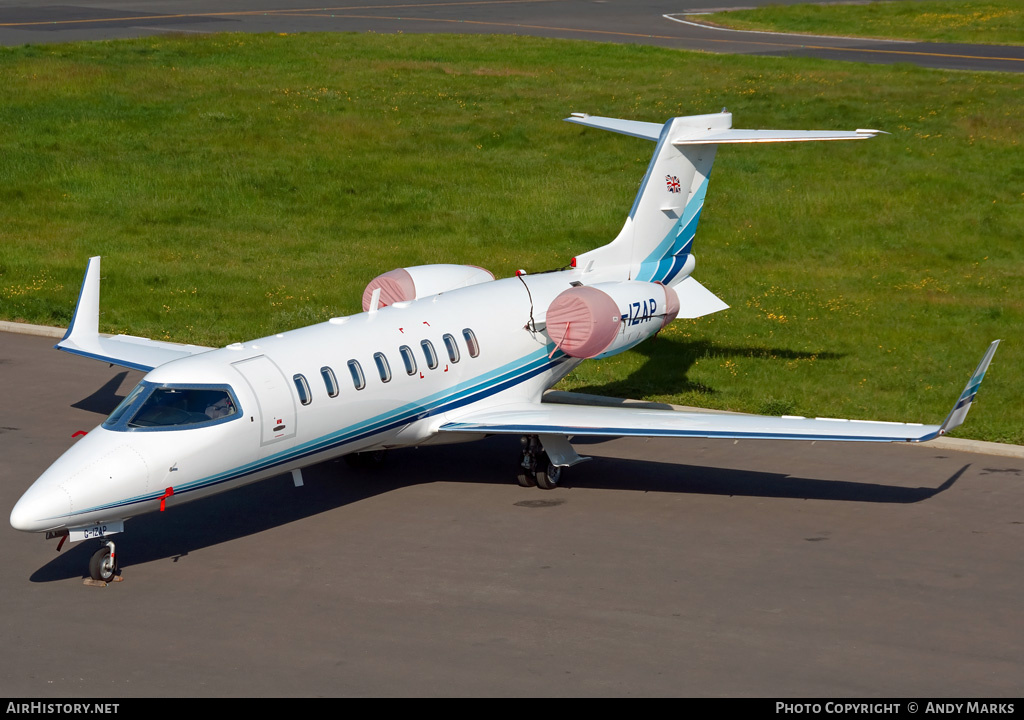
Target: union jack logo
(673,183)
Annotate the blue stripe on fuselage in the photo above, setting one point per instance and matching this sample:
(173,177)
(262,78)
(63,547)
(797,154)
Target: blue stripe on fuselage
(461,394)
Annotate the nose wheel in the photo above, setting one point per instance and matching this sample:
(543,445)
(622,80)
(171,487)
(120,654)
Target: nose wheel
(103,563)
(535,468)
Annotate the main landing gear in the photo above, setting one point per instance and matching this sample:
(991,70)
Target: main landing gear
(536,468)
(103,563)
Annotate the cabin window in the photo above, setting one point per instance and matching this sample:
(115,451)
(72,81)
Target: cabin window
(453,349)
(382,367)
(408,358)
(303,389)
(429,354)
(357,374)
(471,344)
(330,382)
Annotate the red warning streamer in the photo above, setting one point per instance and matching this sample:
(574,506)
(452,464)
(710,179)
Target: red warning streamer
(163,500)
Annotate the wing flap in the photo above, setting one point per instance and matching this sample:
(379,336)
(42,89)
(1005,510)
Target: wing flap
(551,418)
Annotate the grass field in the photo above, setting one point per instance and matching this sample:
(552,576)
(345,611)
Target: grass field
(240,185)
(987,22)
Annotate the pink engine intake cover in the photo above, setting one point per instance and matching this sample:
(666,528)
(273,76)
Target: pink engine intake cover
(583,321)
(395,286)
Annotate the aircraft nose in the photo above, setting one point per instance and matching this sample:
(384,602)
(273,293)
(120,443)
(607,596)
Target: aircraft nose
(40,509)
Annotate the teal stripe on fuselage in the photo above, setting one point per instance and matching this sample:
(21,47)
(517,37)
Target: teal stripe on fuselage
(495,380)
(410,412)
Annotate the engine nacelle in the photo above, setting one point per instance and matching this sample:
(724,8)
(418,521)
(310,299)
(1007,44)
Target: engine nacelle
(422,281)
(607,318)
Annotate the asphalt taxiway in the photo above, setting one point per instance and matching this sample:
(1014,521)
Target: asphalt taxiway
(668,23)
(661,568)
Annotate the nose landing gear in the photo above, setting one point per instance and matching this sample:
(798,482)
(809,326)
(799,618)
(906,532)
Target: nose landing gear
(103,563)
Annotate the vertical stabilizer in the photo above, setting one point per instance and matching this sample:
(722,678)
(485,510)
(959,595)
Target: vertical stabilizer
(656,242)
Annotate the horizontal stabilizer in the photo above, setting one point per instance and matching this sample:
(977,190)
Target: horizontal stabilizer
(634,128)
(704,130)
(695,300)
(731,135)
(83,338)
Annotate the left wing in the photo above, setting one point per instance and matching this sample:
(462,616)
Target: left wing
(557,419)
(137,353)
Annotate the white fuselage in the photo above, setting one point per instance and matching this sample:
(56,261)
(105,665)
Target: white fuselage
(115,473)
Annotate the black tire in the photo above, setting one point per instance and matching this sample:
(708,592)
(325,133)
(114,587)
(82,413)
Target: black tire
(548,475)
(526,478)
(101,566)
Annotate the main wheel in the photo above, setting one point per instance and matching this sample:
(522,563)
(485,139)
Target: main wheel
(526,478)
(548,475)
(103,566)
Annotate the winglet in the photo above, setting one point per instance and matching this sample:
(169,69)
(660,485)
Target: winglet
(86,321)
(83,335)
(963,404)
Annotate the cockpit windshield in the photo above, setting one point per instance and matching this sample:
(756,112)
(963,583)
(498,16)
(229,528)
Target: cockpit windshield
(162,407)
(121,409)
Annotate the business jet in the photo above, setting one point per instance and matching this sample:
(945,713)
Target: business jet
(440,354)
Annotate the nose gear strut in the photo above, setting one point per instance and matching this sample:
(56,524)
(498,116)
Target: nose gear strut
(103,563)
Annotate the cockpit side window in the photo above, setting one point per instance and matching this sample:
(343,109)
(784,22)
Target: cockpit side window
(171,407)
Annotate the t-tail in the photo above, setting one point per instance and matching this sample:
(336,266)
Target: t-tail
(656,242)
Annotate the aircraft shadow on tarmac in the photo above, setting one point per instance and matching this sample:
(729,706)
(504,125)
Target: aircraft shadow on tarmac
(275,502)
(670,358)
(104,400)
